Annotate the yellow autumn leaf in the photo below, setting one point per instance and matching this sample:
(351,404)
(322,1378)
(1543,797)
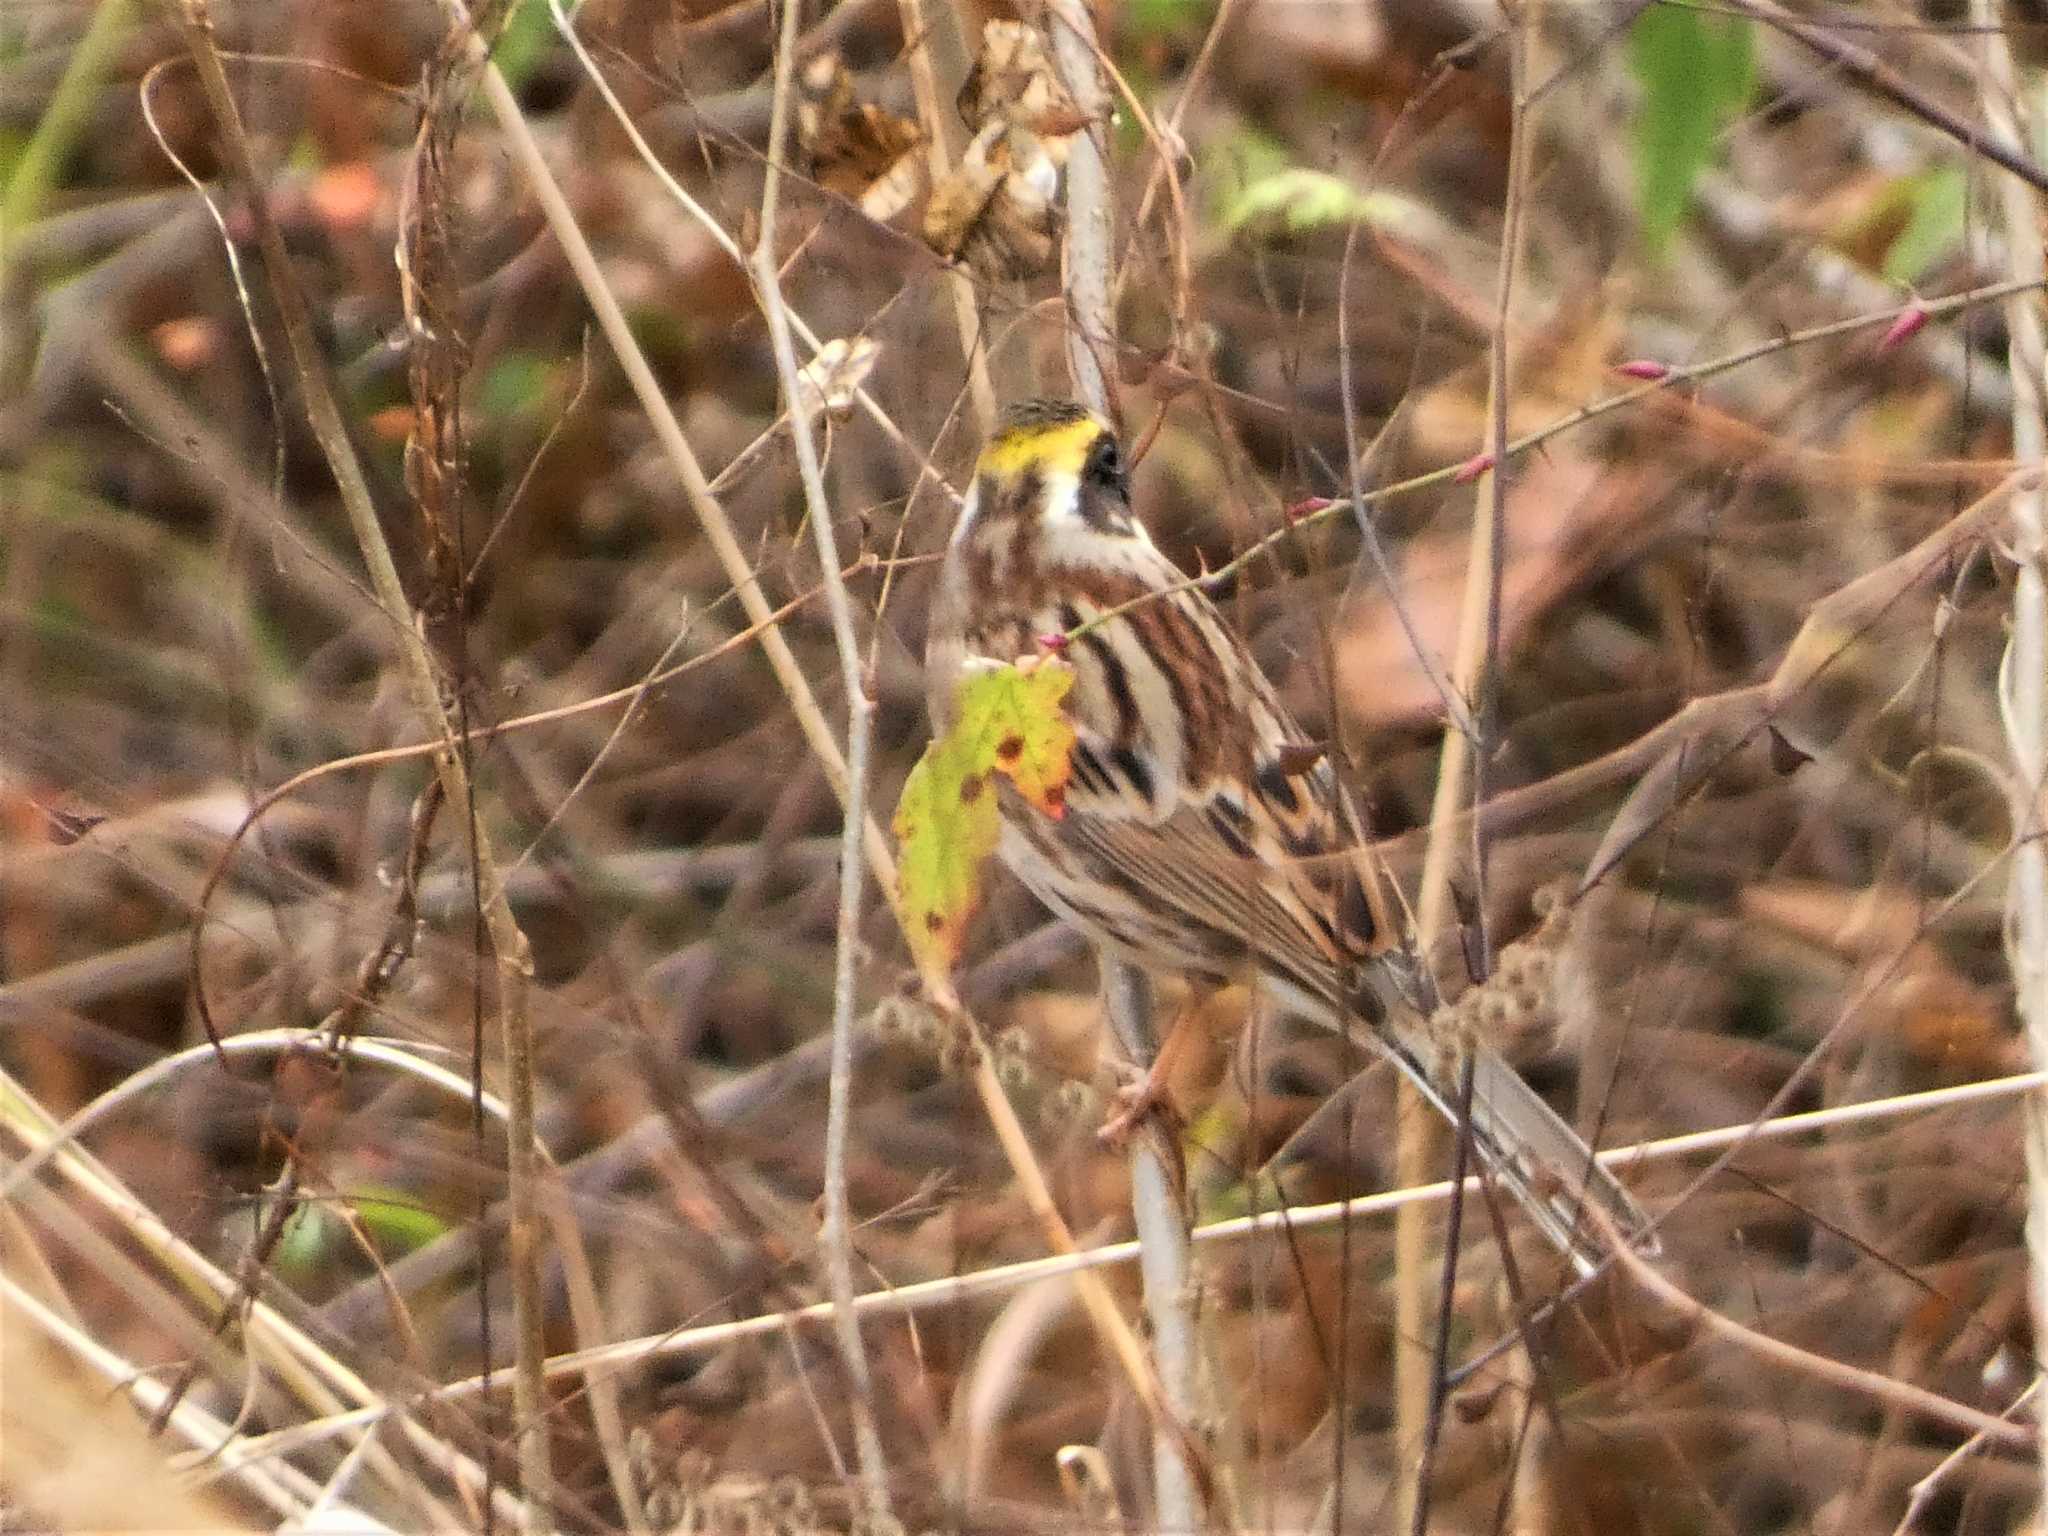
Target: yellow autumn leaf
(1009,720)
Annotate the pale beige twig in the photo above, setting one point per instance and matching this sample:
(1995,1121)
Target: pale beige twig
(2023,676)
(1420,1137)
(1293,1222)
(721,238)
(711,518)
(311,1373)
(1923,1491)
(835,1235)
(63,1454)
(782,661)
(1180,1476)
(924,88)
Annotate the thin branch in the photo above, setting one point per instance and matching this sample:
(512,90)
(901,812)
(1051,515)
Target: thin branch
(1880,79)
(1180,1477)
(789,674)
(1872,1384)
(424,683)
(924,87)
(836,1234)
(311,1373)
(954,1290)
(1923,1491)
(1418,1385)
(1315,512)
(2023,675)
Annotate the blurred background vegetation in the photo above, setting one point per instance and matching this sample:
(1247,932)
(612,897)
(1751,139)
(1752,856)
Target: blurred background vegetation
(1310,220)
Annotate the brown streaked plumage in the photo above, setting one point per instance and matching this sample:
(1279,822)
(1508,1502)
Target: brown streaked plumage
(1204,833)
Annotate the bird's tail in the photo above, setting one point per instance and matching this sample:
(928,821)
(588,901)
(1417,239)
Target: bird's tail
(1529,1151)
(1524,1144)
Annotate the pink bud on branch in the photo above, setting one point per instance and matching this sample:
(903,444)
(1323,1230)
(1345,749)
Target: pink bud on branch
(1472,469)
(1903,329)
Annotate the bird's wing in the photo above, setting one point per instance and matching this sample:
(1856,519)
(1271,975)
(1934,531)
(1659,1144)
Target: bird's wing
(1196,785)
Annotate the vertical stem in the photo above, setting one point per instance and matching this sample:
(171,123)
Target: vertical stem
(2024,677)
(924,87)
(1158,1217)
(1091,324)
(836,1235)
(514,961)
(1156,1205)
(1460,767)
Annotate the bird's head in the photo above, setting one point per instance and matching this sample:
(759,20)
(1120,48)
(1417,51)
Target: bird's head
(1055,464)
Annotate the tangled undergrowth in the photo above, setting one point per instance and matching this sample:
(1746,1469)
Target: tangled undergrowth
(1751,815)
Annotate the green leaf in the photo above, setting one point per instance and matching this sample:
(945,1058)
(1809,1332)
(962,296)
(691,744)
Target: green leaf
(395,1219)
(1144,20)
(303,1246)
(528,35)
(1297,200)
(1936,203)
(1697,71)
(1008,720)
(515,383)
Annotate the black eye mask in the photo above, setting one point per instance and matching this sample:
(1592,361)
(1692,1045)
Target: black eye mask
(1105,467)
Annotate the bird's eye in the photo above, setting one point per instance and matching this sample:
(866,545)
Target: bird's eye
(1106,463)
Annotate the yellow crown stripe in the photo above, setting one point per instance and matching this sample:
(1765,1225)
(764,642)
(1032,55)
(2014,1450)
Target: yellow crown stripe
(1060,449)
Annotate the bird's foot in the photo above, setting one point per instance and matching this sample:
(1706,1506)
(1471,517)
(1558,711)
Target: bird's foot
(1140,1096)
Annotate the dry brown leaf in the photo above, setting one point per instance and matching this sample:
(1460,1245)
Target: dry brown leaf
(858,149)
(997,211)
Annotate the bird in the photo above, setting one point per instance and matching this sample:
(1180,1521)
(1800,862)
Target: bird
(1204,833)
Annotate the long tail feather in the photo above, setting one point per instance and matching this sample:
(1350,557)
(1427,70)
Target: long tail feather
(1530,1152)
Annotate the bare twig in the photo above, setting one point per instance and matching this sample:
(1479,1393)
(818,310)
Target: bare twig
(796,687)
(87,1468)
(424,683)
(2023,676)
(953,1290)
(1180,1479)
(1418,1383)
(1923,1491)
(1872,1384)
(1879,78)
(938,163)
(314,1375)
(836,1234)
(720,236)
(711,518)
(1314,513)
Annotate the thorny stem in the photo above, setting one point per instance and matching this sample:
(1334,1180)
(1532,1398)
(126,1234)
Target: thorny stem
(836,1234)
(2023,679)
(509,943)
